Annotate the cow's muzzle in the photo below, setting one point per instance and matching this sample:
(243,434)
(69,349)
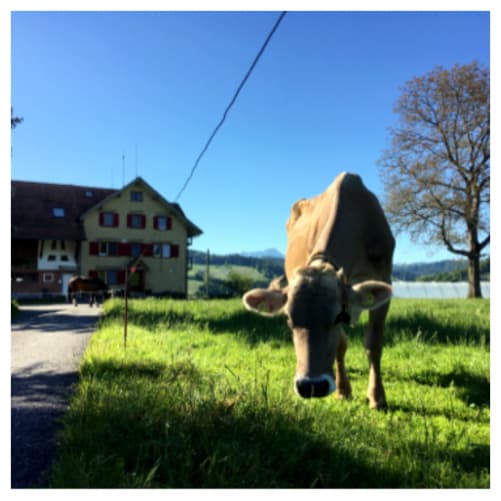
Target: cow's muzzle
(315,387)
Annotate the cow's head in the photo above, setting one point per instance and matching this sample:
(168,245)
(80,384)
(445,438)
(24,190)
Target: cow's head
(316,302)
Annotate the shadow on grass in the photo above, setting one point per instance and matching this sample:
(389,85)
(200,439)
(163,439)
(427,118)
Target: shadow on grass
(470,388)
(434,331)
(255,328)
(165,435)
(181,436)
(113,370)
(247,326)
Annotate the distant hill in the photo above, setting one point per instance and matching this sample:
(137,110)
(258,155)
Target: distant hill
(409,272)
(270,267)
(449,270)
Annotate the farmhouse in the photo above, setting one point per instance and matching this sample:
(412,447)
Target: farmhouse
(59,230)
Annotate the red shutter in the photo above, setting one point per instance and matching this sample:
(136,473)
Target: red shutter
(92,273)
(124,249)
(121,277)
(143,221)
(147,250)
(115,219)
(169,223)
(93,248)
(155,222)
(129,220)
(101,219)
(174,251)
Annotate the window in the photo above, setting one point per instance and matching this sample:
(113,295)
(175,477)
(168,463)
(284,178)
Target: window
(165,250)
(48,277)
(136,196)
(112,249)
(53,245)
(109,219)
(51,257)
(136,250)
(58,212)
(137,221)
(64,258)
(103,248)
(162,223)
(63,245)
(89,194)
(112,277)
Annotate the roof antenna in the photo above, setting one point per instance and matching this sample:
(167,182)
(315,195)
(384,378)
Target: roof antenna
(136,163)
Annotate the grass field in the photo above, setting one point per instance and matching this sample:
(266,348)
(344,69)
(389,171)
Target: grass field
(196,275)
(203,397)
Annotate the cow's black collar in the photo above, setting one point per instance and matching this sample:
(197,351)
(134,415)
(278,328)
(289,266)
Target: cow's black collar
(323,257)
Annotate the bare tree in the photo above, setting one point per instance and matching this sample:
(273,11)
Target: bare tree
(14,121)
(437,170)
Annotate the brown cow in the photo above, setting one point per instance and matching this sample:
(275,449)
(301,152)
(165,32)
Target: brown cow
(338,263)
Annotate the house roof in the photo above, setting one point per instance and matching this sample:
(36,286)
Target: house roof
(35,214)
(175,208)
(33,204)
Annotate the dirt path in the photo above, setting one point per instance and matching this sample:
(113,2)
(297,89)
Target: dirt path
(47,343)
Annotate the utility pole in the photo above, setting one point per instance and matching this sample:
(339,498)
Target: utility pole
(207,274)
(133,269)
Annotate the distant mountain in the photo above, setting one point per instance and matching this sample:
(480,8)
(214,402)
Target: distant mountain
(266,253)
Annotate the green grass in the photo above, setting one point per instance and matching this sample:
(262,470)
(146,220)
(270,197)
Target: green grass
(14,309)
(203,397)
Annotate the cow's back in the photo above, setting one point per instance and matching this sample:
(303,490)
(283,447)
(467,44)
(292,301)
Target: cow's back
(346,222)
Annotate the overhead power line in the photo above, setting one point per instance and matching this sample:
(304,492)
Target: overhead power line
(232,102)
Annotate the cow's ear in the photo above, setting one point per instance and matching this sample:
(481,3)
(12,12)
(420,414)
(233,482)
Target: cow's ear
(266,302)
(369,295)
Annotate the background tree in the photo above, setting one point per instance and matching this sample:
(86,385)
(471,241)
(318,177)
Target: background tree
(437,170)
(14,121)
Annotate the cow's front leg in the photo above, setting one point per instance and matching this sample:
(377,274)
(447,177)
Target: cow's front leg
(343,387)
(374,348)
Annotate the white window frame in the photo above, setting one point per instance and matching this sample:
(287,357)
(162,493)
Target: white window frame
(162,223)
(47,278)
(162,250)
(103,249)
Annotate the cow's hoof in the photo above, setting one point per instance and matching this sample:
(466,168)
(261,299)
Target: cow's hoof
(379,406)
(343,395)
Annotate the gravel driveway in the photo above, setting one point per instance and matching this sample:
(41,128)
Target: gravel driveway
(47,343)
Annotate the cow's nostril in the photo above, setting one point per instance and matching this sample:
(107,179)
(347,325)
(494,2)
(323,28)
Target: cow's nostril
(304,388)
(308,388)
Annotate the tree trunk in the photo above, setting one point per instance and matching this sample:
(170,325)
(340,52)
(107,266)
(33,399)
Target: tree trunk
(474,289)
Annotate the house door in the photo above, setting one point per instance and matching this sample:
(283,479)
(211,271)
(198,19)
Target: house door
(136,281)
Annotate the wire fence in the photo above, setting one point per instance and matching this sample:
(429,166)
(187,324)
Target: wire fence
(436,290)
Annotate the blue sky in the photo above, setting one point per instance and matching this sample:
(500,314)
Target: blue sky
(153,85)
